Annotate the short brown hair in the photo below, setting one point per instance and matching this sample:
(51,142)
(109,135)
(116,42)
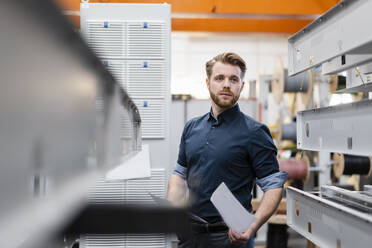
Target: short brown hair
(226,58)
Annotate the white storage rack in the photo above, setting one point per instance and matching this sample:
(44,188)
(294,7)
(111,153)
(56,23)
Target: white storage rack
(133,42)
(338,41)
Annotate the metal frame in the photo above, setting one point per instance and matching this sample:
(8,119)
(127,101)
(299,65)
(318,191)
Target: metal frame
(343,63)
(359,79)
(367,188)
(359,88)
(60,127)
(339,31)
(344,129)
(326,223)
(357,200)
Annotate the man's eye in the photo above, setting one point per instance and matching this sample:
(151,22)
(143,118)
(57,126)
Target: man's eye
(219,78)
(235,80)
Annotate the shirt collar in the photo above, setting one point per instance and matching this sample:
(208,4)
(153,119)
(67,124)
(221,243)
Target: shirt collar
(227,115)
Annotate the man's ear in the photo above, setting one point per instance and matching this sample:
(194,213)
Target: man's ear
(207,82)
(241,88)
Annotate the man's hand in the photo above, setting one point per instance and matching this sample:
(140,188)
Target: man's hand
(240,239)
(268,205)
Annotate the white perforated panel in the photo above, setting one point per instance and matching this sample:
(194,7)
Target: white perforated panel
(146,79)
(134,52)
(107,192)
(107,38)
(127,192)
(145,240)
(126,125)
(118,70)
(137,190)
(102,241)
(152,113)
(123,241)
(138,33)
(145,39)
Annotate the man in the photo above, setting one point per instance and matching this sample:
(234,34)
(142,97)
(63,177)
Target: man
(227,146)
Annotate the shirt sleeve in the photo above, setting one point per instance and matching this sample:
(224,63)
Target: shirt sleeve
(180,171)
(182,150)
(273,181)
(263,158)
(181,166)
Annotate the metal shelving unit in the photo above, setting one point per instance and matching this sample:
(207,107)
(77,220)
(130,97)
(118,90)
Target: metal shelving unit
(337,41)
(344,129)
(340,32)
(327,223)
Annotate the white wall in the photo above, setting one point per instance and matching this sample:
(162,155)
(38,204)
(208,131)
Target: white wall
(190,51)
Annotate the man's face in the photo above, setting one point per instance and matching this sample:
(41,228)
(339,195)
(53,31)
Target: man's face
(225,84)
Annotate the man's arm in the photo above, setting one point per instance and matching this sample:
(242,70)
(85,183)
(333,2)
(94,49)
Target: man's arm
(177,190)
(268,205)
(269,179)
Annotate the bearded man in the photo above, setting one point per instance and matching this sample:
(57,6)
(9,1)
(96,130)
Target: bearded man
(225,145)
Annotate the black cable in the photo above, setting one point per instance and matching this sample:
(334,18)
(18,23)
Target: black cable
(356,165)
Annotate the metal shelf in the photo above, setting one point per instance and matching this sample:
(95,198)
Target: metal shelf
(326,223)
(343,63)
(354,199)
(340,31)
(338,40)
(344,129)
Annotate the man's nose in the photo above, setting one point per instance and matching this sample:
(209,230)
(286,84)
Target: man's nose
(226,83)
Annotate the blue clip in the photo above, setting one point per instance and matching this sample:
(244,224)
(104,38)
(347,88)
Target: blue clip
(105,63)
(145,104)
(105,24)
(145,65)
(145,25)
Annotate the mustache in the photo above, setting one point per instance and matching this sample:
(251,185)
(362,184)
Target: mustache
(225,91)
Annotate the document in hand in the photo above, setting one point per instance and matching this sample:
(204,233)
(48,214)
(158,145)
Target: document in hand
(233,213)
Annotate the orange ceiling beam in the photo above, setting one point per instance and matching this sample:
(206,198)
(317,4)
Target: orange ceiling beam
(274,16)
(283,7)
(239,25)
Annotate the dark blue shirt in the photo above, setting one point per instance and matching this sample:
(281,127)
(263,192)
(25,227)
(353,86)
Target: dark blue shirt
(234,149)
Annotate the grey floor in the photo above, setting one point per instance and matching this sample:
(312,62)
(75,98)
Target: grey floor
(295,240)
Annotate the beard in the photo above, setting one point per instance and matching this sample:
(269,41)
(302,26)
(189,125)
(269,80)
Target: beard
(224,103)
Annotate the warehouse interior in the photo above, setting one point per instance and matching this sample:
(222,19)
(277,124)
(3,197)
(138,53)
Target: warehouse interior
(95,96)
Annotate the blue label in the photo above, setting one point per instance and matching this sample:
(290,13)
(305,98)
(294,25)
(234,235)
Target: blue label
(105,24)
(105,63)
(145,25)
(145,65)
(145,104)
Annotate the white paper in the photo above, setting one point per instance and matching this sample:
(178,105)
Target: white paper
(233,213)
(137,166)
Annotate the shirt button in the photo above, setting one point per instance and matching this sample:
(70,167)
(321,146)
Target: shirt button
(207,143)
